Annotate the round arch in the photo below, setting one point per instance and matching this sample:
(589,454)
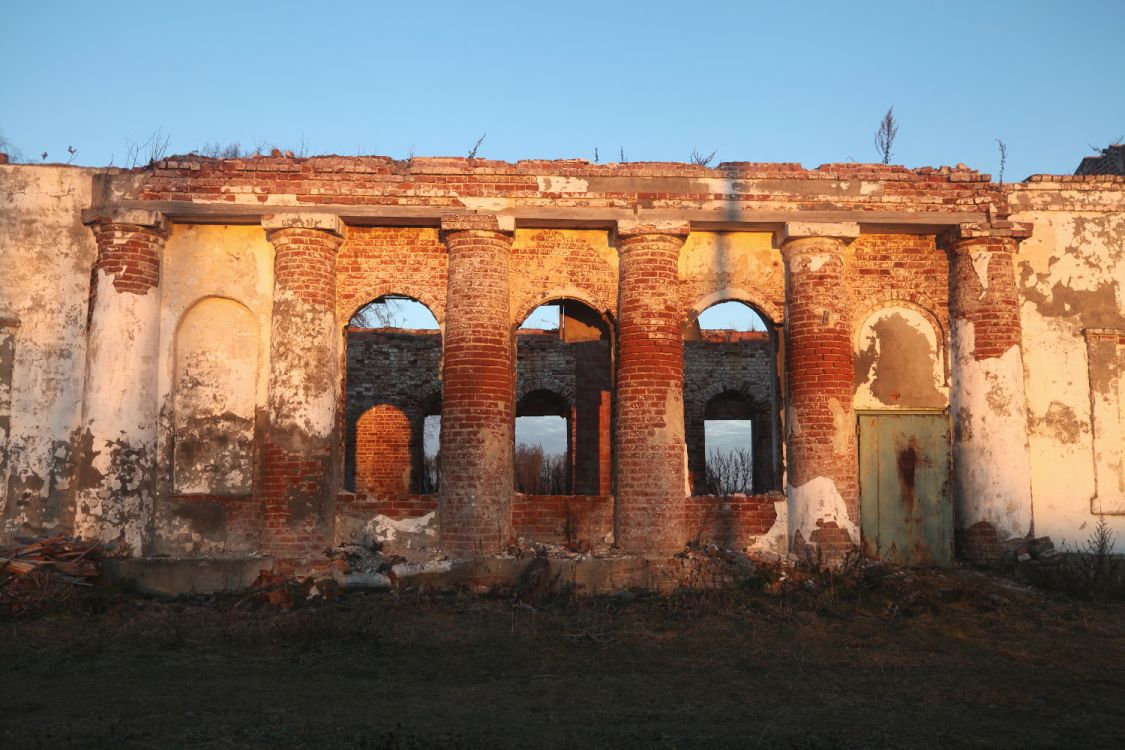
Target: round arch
(378,291)
(555,386)
(768,312)
(888,300)
(562,294)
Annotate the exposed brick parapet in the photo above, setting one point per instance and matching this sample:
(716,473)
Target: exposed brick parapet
(445,183)
(820,418)
(650,448)
(478,417)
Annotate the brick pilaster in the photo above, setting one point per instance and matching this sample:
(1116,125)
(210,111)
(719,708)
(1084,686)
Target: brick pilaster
(478,393)
(116,449)
(651,454)
(823,493)
(991,460)
(299,465)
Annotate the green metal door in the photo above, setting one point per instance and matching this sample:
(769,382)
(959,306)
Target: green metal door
(906,511)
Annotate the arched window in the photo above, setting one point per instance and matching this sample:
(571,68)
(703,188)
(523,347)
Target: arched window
(731,404)
(393,354)
(564,365)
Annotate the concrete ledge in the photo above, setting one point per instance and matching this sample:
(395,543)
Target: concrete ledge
(166,576)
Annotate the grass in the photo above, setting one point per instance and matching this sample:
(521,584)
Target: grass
(883,659)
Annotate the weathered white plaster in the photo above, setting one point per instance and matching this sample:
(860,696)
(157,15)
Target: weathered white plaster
(301,401)
(1107,395)
(1071,278)
(990,451)
(981,257)
(474,203)
(116,493)
(386,529)
(45,258)
(817,500)
(869,347)
(776,540)
(553,184)
(216,375)
(817,261)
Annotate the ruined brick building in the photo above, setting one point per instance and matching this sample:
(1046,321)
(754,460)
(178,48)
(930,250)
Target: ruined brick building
(943,365)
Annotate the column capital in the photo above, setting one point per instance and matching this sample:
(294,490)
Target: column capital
(327,223)
(630,228)
(478,223)
(970,233)
(843,232)
(138,217)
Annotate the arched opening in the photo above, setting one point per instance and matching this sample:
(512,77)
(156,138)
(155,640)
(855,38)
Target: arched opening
(731,402)
(393,356)
(564,382)
(543,444)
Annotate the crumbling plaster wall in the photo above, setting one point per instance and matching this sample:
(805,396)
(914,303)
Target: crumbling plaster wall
(230,267)
(45,258)
(1071,278)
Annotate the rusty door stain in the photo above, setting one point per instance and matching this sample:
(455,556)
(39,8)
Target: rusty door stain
(906,512)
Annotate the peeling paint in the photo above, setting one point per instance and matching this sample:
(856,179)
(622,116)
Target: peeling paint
(405,533)
(551,184)
(899,363)
(981,257)
(990,454)
(817,500)
(776,540)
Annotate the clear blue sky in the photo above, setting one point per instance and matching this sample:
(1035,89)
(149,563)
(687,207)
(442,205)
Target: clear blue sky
(783,81)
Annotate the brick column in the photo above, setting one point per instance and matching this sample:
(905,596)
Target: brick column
(991,461)
(115,477)
(651,453)
(299,462)
(823,487)
(478,392)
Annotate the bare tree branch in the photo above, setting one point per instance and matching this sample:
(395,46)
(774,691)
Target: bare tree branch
(700,159)
(476,146)
(885,135)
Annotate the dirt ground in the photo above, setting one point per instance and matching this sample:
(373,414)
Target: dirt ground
(888,659)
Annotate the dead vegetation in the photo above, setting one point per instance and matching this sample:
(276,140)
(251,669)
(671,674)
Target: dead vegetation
(859,656)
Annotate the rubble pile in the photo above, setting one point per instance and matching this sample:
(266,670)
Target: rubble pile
(32,564)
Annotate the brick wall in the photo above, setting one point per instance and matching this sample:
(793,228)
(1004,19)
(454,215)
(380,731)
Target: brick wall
(732,522)
(993,310)
(377,261)
(446,182)
(883,268)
